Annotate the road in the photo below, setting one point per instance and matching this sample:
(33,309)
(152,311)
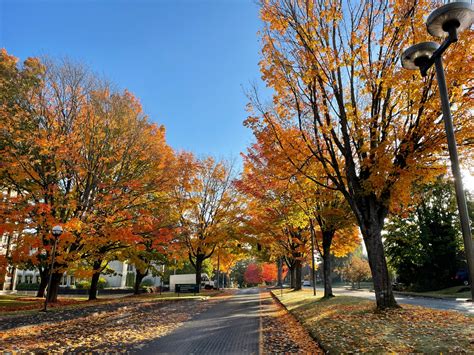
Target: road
(444,304)
(230,327)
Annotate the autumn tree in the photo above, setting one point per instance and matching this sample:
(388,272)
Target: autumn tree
(78,154)
(129,165)
(356,270)
(334,66)
(332,224)
(314,210)
(269,272)
(208,206)
(39,107)
(253,274)
(274,218)
(227,253)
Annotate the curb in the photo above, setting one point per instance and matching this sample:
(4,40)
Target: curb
(401,293)
(260,327)
(314,337)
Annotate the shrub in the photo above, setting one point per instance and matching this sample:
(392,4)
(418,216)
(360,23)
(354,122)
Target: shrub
(27,287)
(83,284)
(102,283)
(147,283)
(86,284)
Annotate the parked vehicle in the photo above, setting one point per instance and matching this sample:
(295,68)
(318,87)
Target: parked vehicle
(462,277)
(190,279)
(306,283)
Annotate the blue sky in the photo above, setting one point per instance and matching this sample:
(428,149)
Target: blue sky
(188,61)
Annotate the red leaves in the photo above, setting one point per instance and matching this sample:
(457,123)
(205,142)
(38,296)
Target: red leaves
(269,272)
(253,274)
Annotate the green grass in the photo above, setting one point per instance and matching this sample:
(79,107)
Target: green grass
(451,292)
(171,296)
(350,324)
(12,301)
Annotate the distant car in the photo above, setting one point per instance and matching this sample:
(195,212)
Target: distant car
(398,286)
(306,283)
(462,276)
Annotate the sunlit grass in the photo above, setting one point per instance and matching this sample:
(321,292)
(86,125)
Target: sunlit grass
(350,324)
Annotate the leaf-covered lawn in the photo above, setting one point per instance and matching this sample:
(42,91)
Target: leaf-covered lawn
(351,324)
(24,303)
(114,326)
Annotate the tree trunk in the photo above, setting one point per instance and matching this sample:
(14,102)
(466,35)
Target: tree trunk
(44,274)
(327,242)
(372,233)
(198,267)
(93,288)
(95,280)
(138,280)
(53,293)
(292,272)
(280,272)
(298,267)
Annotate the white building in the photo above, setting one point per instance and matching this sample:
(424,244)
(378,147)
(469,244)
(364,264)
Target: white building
(119,275)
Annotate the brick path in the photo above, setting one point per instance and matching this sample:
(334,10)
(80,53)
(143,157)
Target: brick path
(231,326)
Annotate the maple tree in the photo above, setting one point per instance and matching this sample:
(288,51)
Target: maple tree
(307,209)
(332,225)
(372,126)
(227,253)
(274,219)
(35,126)
(77,154)
(269,272)
(208,207)
(356,270)
(136,168)
(253,274)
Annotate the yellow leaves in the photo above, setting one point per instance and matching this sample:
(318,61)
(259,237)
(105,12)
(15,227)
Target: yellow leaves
(349,324)
(277,21)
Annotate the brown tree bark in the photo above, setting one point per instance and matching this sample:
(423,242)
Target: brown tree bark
(52,294)
(138,280)
(198,267)
(280,272)
(44,274)
(327,242)
(371,221)
(298,272)
(95,280)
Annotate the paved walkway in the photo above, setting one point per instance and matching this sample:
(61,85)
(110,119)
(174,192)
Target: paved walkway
(230,327)
(443,304)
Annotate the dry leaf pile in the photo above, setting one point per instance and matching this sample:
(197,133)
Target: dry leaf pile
(109,327)
(281,332)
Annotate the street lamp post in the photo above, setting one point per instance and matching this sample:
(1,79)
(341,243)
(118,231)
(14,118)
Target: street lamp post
(449,19)
(218,269)
(57,231)
(313,269)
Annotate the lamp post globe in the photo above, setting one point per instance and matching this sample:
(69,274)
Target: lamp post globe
(57,231)
(417,55)
(446,21)
(455,15)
